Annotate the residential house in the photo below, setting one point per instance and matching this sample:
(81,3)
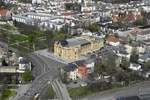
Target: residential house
(140,34)
(22,19)
(95,34)
(79,69)
(146,45)
(140,48)
(144,57)
(130,16)
(112,40)
(90,64)
(135,67)
(108,51)
(71,70)
(51,25)
(82,71)
(38,16)
(5,14)
(24,64)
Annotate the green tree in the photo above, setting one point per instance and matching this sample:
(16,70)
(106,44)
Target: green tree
(64,78)
(59,35)
(93,27)
(99,68)
(27,75)
(32,39)
(110,63)
(4,63)
(122,77)
(50,40)
(6,93)
(140,22)
(25,1)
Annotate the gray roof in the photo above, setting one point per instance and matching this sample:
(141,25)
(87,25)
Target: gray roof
(70,67)
(145,56)
(76,42)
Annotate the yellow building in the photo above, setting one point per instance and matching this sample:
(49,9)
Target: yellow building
(75,47)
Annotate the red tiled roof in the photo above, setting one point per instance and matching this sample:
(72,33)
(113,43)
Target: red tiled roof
(3,12)
(112,38)
(67,13)
(135,31)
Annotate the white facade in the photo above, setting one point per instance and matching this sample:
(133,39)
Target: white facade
(73,75)
(36,1)
(114,43)
(19,18)
(23,65)
(90,67)
(135,67)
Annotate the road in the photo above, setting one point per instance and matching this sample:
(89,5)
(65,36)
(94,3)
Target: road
(60,90)
(140,89)
(21,90)
(45,70)
(53,65)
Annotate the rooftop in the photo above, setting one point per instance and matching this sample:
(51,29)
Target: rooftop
(112,38)
(3,12)
(70,67)
(74,42)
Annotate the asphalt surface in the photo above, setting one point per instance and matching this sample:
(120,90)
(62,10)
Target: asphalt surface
(60,90)
(141,89)
(21,90)
(45,71)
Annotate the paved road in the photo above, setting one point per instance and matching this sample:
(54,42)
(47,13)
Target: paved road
(138,89)
(45,70)
(60,90)
(37,85)
(53,66)
(21,90)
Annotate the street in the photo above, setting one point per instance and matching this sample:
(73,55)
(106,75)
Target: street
(138,89)
(45,70)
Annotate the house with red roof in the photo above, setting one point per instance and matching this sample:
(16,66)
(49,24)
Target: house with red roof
(82,71)
(112,40)
(4,14)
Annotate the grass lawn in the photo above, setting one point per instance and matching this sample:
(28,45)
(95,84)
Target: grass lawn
(78,92)
(7,93)
(89,90)
(51,93)
(18,38)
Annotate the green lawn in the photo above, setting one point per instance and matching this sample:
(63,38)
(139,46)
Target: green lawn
(18,38)
(51,93)
(7,93)
(89,90)
(80,91)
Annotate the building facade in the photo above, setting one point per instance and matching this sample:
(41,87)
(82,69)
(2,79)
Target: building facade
(73,48)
